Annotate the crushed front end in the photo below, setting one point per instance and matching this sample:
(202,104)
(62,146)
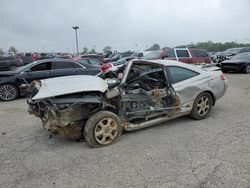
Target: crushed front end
(64,116)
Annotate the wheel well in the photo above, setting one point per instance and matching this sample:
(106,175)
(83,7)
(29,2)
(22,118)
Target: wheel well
(108,108)
(212,95)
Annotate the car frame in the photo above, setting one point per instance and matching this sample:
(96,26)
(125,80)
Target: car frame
(149,93)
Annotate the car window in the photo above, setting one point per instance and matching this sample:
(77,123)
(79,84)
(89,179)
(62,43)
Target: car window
(182,53)
(245,50)
(170,53)
(76,65)
(84,61)
(153,55)
(178,74)
(94,62)
(200,53)
(65,65)
(41,67)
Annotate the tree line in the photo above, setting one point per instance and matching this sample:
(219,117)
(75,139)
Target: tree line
(209,46)
(215,46)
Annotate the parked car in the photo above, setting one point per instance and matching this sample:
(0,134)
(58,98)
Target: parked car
(122,61)
(9,63)
(238,63)
(229,53)
(46,56)
(14,83)
(113,58)
(157,54)
(93,56)
(29,57)
(149,93)
(94,62)
(185,55)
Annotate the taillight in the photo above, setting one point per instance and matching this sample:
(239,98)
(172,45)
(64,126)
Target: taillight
(222,76)
(105,67)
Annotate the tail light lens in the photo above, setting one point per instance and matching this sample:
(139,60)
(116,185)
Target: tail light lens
(105,67)
(222,76)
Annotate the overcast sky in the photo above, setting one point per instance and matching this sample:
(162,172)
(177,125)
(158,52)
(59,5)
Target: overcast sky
(30,25)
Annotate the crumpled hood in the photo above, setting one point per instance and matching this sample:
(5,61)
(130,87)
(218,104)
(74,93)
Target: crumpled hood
(70,84)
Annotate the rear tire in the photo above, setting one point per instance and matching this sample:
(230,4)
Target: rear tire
(202,106)
(103,128)
(247,69)
(8,92)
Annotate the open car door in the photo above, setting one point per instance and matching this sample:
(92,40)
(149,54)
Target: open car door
(146,93)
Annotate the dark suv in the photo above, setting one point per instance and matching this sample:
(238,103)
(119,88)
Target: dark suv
(185,55)
(9,63)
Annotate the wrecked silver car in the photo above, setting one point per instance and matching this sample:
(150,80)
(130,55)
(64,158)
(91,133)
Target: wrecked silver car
(150,92)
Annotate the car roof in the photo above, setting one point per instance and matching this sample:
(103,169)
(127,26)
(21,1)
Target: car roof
(244,53)
(167,63)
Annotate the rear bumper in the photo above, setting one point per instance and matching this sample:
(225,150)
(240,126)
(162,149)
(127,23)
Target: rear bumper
(231,67)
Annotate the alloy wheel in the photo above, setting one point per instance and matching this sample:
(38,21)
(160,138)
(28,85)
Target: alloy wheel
(7,92)
(106,131)
(203,106)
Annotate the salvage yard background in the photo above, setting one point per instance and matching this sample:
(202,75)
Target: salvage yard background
(181,153)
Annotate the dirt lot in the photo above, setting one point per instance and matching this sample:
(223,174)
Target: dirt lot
(213,152)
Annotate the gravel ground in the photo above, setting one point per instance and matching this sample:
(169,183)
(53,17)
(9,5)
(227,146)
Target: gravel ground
(213,152)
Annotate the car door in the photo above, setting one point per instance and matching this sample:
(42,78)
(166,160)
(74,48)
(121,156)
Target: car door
(37,72)
(64,68)
(186,84)
(146,93)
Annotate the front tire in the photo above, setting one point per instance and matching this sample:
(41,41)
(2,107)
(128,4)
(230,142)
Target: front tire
(103,128)
(202,106)
(8,92)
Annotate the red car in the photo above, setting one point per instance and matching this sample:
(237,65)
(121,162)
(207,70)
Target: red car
(185,55)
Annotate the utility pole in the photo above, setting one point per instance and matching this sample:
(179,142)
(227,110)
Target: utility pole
(75,28)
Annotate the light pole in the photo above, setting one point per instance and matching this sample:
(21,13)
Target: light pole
(75,28)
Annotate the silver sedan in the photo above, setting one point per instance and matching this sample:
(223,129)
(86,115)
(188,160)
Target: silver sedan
(148,93)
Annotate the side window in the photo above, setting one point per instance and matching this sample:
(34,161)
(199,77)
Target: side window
(245,50)
(94,62)
(200,53)
(63,65)
(182,53)
(179,74)
(84,61)
(41,67)
(75,65)
(170,53)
